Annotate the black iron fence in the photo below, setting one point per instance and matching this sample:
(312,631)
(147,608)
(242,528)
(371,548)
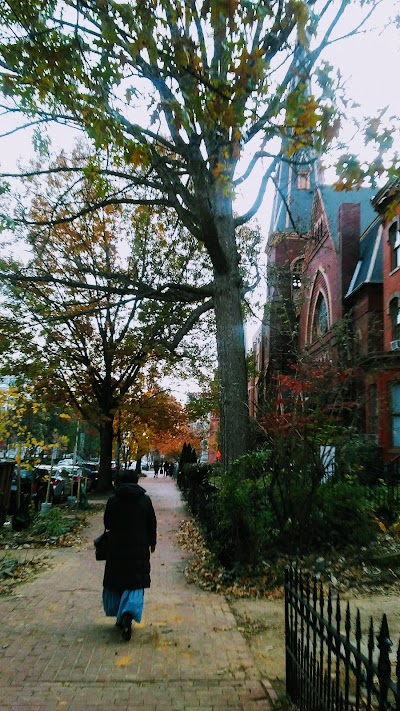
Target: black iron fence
(385,496)
(330,664)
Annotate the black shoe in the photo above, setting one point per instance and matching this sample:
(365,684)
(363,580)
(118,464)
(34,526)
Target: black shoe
(126,626)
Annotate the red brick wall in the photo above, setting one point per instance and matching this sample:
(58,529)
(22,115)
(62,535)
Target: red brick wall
(391,285)
(367,320)
(382,381)
(322,274)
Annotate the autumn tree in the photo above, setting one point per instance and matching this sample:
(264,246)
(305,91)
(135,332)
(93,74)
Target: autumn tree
(85,341)
(189,97)
(30,427)
(154,420)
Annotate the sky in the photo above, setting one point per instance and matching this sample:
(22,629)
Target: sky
(369,65)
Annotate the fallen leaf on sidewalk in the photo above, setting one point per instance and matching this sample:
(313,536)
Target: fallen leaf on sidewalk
(123,662)
(351,571)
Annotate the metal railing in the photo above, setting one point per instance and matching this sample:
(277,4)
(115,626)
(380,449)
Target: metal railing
(327,667)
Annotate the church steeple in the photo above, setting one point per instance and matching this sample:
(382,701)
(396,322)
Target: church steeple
(298,175)
(295,183)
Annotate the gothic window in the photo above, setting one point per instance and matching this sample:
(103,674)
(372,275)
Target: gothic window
(395,413)
(296,270)
(394,241)
(394,312)
(320,324)
(303,180)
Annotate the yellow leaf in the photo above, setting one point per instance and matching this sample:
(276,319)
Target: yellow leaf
(381,525)
(123,662)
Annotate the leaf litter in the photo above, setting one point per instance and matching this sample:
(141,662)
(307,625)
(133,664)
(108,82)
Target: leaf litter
(370,570)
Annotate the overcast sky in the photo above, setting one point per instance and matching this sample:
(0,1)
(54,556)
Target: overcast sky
(369,64)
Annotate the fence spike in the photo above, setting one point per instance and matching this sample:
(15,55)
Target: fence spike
(329,608)
(347,652)
(384,669)
(338,611)
(371,638)
(347,624)
(398,677)
(337,644)
(358,634)
(314,680)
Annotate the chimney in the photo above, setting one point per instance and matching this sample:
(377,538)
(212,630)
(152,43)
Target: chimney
(349,236)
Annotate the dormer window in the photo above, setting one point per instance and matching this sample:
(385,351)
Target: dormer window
(303,180)
(394,241)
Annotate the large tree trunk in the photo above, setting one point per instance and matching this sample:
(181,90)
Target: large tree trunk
(232,371)
(233,396)
(106,445)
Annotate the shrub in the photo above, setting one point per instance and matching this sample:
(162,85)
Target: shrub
(244,525)
(196,482)
(360,456)
(343,515)
(53,524)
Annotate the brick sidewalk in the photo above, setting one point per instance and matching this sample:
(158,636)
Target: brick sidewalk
(58,651)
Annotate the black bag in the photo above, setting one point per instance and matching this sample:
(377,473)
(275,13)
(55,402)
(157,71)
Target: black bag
(101,546)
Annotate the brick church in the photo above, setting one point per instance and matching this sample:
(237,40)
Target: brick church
(333,258)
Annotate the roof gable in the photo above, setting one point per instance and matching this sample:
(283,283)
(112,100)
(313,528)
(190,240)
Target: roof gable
(333,199)
(369,269)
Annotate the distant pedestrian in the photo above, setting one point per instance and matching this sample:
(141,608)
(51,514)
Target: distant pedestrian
(156,465)
(130,519)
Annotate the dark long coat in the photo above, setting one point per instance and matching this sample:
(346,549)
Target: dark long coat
(130,518)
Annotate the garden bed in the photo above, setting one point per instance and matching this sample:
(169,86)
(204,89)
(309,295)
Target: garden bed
(372,569)
(20,559)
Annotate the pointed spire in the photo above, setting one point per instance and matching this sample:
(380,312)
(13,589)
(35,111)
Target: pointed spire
(296,177)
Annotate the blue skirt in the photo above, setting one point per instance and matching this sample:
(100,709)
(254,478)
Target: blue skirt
(115,604)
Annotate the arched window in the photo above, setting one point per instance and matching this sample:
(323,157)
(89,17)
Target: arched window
(296,271)
(394,241)
(320,323)
(394,311)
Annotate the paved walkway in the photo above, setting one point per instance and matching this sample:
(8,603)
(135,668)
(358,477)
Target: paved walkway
(58,651)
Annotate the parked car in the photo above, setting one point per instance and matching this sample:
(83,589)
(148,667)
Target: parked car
(41,474)
(64,479)
(68,461)
(91,474)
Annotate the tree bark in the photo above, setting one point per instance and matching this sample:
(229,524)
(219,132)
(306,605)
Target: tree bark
(232,371)
(233,397)
(106,445)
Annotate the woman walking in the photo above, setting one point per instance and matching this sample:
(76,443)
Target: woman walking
(130,519)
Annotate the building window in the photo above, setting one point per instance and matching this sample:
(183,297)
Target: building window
(395,413)
(394,312)
(394,241)
(320,324)
(296,270)
(373,411)
(319,230)
(303,180)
